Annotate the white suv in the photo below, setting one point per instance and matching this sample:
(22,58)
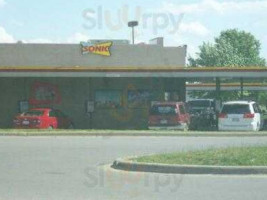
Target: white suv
(240,116)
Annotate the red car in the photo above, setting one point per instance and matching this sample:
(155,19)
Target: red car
(169,115)
(43,118)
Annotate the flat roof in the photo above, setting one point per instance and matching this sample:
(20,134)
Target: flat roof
(72,55)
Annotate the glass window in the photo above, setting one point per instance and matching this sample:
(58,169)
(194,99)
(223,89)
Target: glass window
(108,98)
(236,109)
(52,113)
(199,103)
(139,98)
(163,110)
(174,95)
(34,113)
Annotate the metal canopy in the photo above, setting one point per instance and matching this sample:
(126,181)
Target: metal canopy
(133,72)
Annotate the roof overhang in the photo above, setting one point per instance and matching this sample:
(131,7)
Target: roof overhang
(168,72)
(227,87)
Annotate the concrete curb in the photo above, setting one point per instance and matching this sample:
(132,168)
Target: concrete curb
(127,165)
(139,134)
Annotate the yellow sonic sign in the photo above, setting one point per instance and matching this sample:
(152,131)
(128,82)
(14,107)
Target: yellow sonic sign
(102,49)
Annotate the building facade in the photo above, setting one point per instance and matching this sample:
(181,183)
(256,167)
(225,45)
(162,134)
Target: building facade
(29,78)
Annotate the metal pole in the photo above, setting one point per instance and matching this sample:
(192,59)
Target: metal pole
(242,88)
(218,89)
(133,34)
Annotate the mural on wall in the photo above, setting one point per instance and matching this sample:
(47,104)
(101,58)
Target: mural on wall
(108,99)
(44,93)
(139,98)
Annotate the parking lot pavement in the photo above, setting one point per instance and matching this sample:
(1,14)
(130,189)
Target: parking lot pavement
(75,168)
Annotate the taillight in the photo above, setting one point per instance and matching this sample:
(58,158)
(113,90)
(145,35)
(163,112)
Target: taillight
(222,115)
(248,115)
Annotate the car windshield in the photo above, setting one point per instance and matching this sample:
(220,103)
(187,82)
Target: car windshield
(199,103)
(236,109)
(163,110)
(33,113)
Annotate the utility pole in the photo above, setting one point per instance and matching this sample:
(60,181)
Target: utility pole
(132,24)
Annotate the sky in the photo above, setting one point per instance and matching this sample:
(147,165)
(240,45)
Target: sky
(180,22)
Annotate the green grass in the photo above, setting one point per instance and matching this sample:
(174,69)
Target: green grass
(43,132)
(25,132)
(234,156)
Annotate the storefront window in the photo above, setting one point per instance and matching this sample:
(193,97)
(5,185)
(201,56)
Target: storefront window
(108,98)
(140,98)
(173,96)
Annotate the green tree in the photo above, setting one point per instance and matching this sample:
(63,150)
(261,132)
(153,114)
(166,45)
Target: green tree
(233,48)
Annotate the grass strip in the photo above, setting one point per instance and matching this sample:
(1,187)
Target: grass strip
(233,156)
(92,132)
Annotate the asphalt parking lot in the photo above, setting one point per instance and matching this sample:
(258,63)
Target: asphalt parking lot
(51,167)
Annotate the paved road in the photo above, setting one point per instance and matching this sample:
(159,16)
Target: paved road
(34,168)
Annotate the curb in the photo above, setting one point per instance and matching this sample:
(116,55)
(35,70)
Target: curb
(126,165)
(141,134)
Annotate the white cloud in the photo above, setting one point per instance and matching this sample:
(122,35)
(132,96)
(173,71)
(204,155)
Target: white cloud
(194,28)
(192,50)
(223,7)
(2,3)
(6,37)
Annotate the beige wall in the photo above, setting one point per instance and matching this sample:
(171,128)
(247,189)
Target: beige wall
(69,55)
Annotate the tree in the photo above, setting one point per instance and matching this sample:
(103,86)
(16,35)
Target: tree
(233,48)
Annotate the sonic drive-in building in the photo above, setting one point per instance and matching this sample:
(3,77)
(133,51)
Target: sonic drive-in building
(99,84)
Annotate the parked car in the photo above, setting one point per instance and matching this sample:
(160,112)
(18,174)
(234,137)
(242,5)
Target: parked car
(240,116)
(42,118)
(168,115)
(203,114)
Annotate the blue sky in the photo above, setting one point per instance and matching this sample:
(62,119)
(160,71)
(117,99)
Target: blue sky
(179,21)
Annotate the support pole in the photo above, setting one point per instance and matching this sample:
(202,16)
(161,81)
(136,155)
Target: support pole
(133,34)
(218,95)
(218,88)
(242,88)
